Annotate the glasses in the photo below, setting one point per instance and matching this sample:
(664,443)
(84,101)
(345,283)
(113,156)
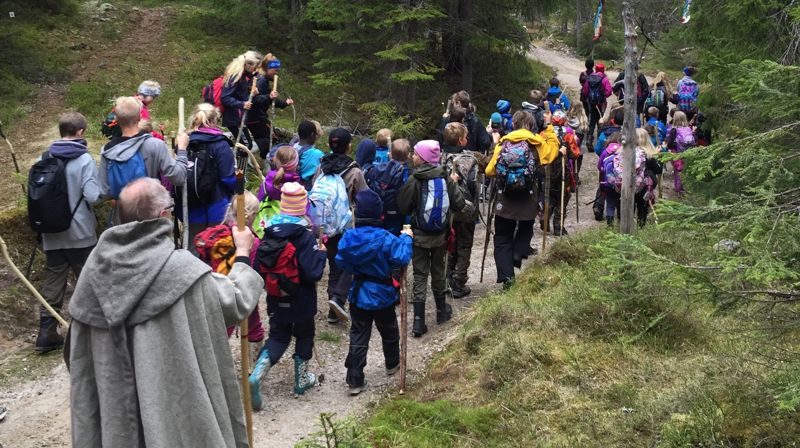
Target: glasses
(169,208)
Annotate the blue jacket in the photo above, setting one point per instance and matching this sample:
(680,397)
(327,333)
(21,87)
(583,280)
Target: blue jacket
(601,139)
(554,93)
(381,154)
(308,164)
(233,97)
(370,254)
(311,262)
(662,131)
(219,147)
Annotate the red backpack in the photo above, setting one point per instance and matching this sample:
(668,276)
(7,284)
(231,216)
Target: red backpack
(212,93)
(277,263)
(215,247)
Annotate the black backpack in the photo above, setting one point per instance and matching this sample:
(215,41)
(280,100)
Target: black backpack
(202,175)
(48,198)
(597,93)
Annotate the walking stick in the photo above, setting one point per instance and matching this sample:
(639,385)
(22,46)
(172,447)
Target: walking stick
(489,216)
(272,112)
(403,327)
(185,189)
(546,206)
(576,176)
(563,179)
(13,156)
(243,327)
(30,287)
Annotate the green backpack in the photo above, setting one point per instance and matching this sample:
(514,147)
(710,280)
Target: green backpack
(266,210)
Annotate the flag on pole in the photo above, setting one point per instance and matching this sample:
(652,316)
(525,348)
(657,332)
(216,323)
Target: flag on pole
(598,21)
(685,17)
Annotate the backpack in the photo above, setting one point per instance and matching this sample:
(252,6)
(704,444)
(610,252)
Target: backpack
(434,204)
(48,199)
(266,210)
(330,205)
(657,98)
(597,93)
(215,247)
(684,138)
(212,93)
(120,174)
(614,176)
(466,165)
(516,168)
(687,91)
(386,179)
(277,262)
(109,127)
(202,175)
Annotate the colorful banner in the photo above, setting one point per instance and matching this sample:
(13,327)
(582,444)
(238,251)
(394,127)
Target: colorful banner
(598,21)
(685,17)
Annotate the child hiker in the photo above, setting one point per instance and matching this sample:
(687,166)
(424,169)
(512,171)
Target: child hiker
(284,169)
(308,153)
(430,196)
(577,120)
(680,137)
(382,139)
(371,254)
(291,262)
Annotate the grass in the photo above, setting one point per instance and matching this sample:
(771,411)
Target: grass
(612,341)
(329,336)
(27,365)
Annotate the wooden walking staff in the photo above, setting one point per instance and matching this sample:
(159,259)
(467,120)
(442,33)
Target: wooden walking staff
(13,157)
(546,206)
(563,179)
(403,325)
(184,190)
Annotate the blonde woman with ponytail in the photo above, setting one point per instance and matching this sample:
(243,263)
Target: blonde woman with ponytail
(208,208)
(284,169)
(237,80)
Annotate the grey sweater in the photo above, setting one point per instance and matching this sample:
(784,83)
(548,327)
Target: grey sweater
(150,364)
(157,160)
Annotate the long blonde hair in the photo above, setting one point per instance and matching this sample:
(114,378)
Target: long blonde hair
(205,115)
(236,68)
(662,77)
(577,112)
(679,120)
(644,142)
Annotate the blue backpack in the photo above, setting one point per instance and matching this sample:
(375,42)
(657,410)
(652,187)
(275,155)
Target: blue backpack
(434,203)
(330,205)
(386,179)
(121,174)
(516,168)
(687,95)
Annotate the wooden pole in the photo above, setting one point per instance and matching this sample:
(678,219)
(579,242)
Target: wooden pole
(546,213)
(184,190)
(627,221)
(13,157)
(241,223)
(563,191)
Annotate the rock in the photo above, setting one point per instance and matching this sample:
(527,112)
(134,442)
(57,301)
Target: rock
(135,9)
(105,7)
(78,46)
(727,246)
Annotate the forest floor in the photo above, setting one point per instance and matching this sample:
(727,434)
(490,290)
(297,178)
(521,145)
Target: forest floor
(35,388)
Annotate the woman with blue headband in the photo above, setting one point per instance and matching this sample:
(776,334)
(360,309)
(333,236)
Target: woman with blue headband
(257,120)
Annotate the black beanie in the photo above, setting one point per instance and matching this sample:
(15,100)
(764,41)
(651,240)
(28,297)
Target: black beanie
(339,140)
(368,205)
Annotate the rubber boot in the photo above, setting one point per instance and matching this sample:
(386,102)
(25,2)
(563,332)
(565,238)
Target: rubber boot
(48,338)
(443,310)
(303,379)
(419,327)
(263,364)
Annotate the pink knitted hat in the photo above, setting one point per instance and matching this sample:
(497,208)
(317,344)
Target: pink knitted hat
(429,151)
(294,199)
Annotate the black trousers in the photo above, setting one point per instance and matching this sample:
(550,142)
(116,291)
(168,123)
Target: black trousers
(360,331)
(594,118)
(338,281)
(58,263)
(512,241)
(260,132)
(247,139)
(280,336)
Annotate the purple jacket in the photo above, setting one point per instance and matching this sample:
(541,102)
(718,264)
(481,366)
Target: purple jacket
(268,190)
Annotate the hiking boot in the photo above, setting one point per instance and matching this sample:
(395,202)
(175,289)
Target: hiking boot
(460,290)
(337,308)
(444,311)
(393,370)
(508,283)
(263,364)
(419,327)
(303,379)
(560,232)
(48,338)
(355,390)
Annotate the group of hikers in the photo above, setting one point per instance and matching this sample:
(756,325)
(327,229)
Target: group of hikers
(148,319)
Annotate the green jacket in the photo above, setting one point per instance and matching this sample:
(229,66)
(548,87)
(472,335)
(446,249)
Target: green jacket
(409,196)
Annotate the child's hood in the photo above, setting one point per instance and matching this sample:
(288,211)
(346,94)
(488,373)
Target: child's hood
(362,245)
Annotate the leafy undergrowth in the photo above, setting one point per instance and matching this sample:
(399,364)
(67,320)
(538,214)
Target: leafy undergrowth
(612,341)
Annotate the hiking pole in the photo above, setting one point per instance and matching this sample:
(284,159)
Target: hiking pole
(243,327)
(489,216)
(13,156)
(185,189)
(272,112)
(546,206)
(30,286)
(563,190)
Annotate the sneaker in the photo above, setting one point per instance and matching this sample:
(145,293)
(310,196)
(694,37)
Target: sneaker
(393,370)
(355,390)
(332,317)
(338,309)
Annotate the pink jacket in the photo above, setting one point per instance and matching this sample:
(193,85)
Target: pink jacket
(606,86)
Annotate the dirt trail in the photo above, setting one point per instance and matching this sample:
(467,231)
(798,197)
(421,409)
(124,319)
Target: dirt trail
(39,410)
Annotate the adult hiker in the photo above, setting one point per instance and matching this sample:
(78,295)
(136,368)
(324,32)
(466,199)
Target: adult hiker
(596,89)
(518,159)
(478,139)
(137,154)
(307,151)
(589,64)
(372,254)
(149,360)
(556,98)
(686,93)
(340,174)
(236,87)
(66,249)
(211,177)
(642,90)
(258,121)
(291,261)
(660,94)
(430,196)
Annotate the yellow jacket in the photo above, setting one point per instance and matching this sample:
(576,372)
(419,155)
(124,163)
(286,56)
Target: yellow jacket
(546,144)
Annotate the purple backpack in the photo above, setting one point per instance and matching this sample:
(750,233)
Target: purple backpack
(687,95)
(684,138)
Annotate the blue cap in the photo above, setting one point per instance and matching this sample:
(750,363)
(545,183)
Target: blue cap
(503,106)
(275,63)
(496,118)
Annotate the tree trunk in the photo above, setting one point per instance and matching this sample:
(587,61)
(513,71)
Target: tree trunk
(465,19)
(627,221)
(578,25)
